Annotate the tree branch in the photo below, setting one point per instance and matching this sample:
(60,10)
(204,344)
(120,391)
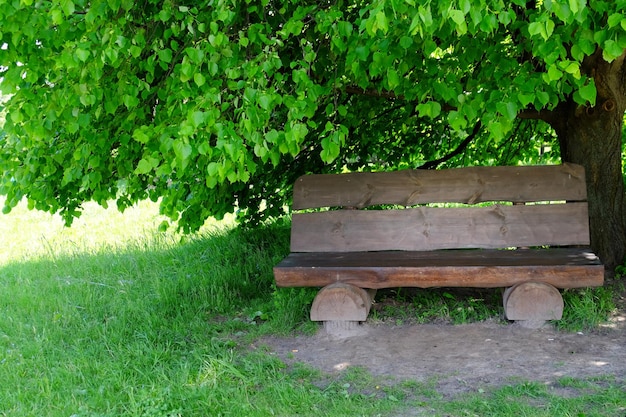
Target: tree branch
(390,95)
(351,89)
(531,114)
(434,164)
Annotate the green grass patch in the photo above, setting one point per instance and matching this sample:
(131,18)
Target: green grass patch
(113,318)
(598,397)
(586,308)
(438,305)
(154,324)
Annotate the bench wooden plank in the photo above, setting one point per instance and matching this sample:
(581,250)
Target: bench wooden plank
(560,267)
(461,185)
(425,246)
(428,228)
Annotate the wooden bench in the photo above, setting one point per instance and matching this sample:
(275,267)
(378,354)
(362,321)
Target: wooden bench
(531,238)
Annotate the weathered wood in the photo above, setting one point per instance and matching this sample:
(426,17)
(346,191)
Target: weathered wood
(533,302)
(341,302)
(560,267)
(461,185)
(429,228)
(348,250)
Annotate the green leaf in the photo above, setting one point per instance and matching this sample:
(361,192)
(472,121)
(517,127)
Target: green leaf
(130,101)
(272,136)
(425,15)
(330,149)
(549,28)
(199,79)
(544,29)
(165,55)
(213,169)
(571,67)
(393,80)
(182,150)
(195,54)
(554,73)
(466,6)
(415,25)
(508,110)
(430,109)
(344,29)
(82,54)
(496,130)
(165,15)
(611,50)
(140,135)
(489,23)
(587,46)
(56,16)
(615,19)
(543,98)
(204,148)
(381,22)
(144,166)
(577,53)
(114,5)
(362,52)
(406,42)
(135,51)
(198,118)
(457,16)
(588,93)
(68,7)
(293,27)
(526,99)
(265,101)
(535,28)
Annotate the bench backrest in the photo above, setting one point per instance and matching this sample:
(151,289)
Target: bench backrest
(559,218)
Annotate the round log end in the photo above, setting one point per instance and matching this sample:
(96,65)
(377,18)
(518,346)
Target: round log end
(533,302)
(341,302)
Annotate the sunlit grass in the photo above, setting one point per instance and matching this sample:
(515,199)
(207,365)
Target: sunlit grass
(28,234)
(113,318)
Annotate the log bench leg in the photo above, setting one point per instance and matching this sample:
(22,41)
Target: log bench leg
(531,304)
(341,306)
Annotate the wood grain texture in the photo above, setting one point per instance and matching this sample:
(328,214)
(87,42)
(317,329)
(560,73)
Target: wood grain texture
(428,228)
(460,185)
(430,246)
(560,267)
(341,301)
(533,301)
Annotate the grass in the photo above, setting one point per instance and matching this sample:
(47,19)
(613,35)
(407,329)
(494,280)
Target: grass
(570,397)
(112,318)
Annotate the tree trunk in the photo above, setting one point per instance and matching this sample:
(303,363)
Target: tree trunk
(592,137)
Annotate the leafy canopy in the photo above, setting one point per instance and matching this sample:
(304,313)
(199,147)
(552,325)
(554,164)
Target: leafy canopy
(219,104)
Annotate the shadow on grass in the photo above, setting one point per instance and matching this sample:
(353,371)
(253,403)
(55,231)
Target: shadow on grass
(164,327)
(157,328)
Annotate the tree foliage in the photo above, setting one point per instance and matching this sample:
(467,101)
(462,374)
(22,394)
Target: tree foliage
(219,104)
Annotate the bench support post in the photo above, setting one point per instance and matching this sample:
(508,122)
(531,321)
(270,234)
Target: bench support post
(341,302)
(531,304)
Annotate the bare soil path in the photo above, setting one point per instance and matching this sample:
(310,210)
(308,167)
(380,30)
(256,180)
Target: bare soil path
(464,358)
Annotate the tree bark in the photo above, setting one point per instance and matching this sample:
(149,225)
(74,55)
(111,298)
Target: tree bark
(592,137)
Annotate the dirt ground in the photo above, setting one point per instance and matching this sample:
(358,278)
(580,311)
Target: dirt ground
(464,358)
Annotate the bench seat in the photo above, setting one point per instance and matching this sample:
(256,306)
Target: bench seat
(482,268)
(525,229)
